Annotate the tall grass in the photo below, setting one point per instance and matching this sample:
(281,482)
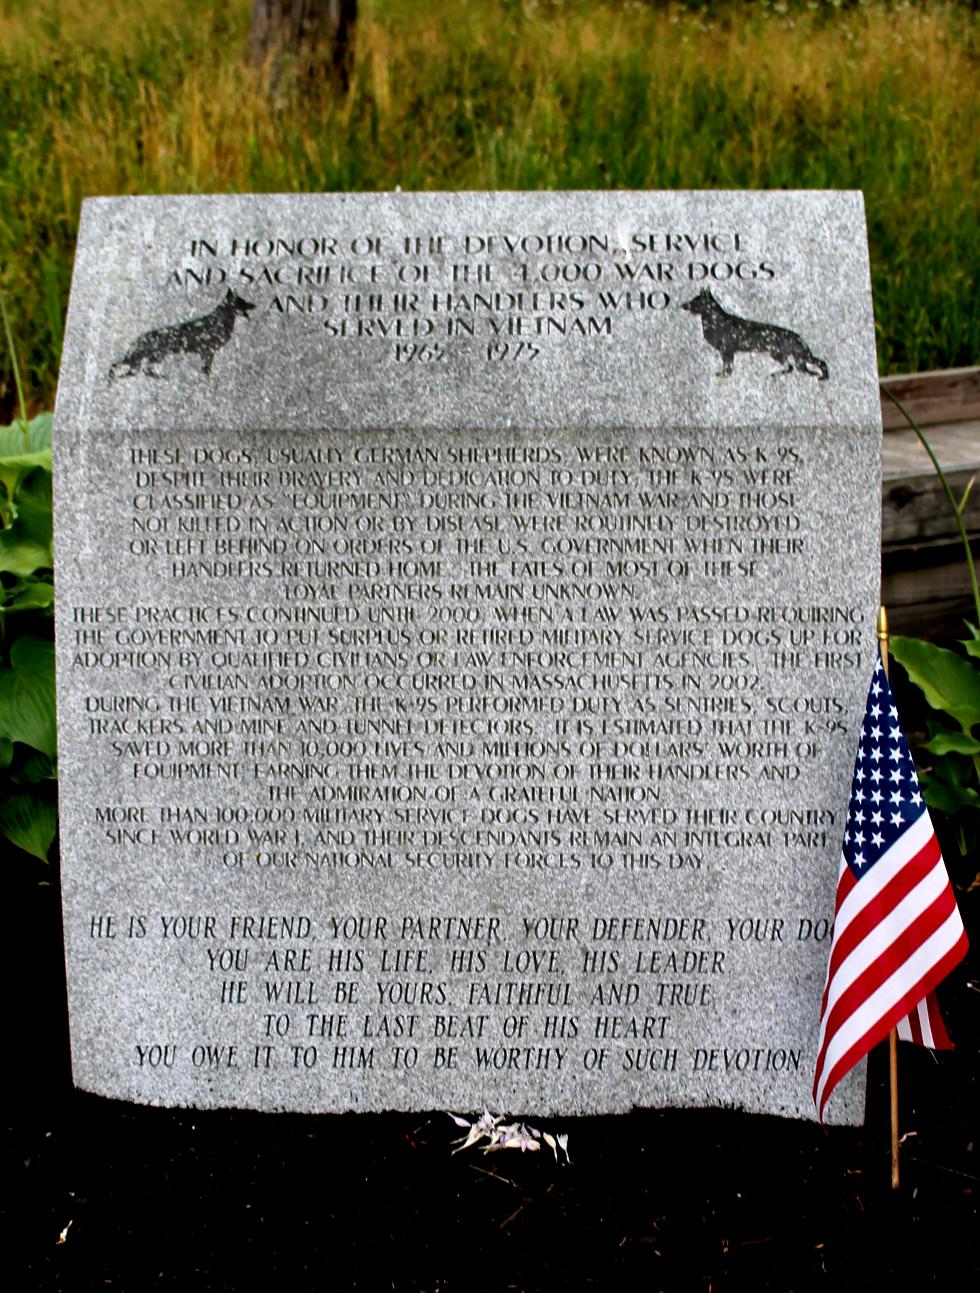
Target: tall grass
(153,96)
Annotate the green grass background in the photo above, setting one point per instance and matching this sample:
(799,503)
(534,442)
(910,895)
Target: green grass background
(154,96)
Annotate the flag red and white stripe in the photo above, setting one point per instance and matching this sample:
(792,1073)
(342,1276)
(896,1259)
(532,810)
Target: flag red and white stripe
(897,930)
(924,1025)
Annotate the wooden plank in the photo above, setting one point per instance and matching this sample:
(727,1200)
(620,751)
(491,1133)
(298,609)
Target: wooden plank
(930,598)
(915,509)
(924,578)
(956,445)
(943,619)
(950,395)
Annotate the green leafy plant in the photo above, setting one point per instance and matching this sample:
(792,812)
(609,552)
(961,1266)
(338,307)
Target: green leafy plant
(28,744)
(950,683)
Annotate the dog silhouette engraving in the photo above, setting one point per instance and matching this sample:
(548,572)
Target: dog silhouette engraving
(203,336)
(731,335)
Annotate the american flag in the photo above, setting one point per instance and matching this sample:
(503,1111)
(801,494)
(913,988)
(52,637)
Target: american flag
(897,931)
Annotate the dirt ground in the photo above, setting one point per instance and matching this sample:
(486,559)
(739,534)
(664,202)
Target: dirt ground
(103,1195)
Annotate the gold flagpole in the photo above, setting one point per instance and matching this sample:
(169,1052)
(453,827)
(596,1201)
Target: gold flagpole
(893,1035)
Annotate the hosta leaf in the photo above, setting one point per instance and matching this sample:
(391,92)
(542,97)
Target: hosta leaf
(950,683)
(14,468)
(27,707)
(949,798)
(953,769)
(37,595)
(952,743)
(38,438)
(21,463)
(30,821)
(33,767)
(25,546)
(21,454)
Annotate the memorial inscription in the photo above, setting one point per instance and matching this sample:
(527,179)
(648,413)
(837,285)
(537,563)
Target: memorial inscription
(458,674)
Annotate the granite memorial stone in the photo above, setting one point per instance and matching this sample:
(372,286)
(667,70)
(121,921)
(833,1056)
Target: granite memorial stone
(465,610)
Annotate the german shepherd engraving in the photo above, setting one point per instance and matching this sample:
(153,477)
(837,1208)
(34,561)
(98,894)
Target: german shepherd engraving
(203,336)
(731,335)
